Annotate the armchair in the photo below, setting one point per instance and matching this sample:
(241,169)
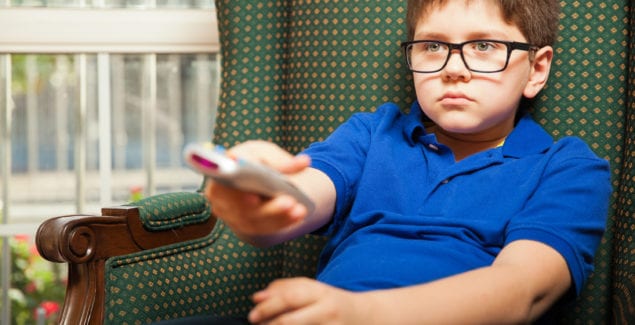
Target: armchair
(292,72)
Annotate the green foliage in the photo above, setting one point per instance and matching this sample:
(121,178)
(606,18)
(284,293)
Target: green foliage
(35,283)
(45,65)
(136,194)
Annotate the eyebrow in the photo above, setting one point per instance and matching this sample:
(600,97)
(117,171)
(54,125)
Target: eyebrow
(471,36)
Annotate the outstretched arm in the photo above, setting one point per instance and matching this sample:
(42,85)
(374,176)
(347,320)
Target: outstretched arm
(269,221)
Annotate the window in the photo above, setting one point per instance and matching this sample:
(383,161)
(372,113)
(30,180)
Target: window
(97,101)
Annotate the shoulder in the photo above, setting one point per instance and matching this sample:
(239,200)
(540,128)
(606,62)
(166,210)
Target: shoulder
(570,163)
(530,138)
(571,157)
(384,112)
(387,117)
(572,147)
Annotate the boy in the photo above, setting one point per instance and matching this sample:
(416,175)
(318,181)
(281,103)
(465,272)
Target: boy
(462,211)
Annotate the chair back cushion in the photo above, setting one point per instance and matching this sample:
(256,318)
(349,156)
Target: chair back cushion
(294,70)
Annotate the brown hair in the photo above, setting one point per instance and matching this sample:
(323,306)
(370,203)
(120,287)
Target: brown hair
(536,19)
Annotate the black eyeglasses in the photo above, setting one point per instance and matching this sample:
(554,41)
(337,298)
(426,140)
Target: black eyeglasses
(486,56)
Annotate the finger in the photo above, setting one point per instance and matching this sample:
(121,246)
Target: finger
(233,206)
(282,296)
(284,205)
(309,314)
(219,192)
(268,218)
(251,214)
(271,309)
(273,157)
(260,151)
(294,165)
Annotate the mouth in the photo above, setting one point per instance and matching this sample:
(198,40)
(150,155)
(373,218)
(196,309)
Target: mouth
(455,98)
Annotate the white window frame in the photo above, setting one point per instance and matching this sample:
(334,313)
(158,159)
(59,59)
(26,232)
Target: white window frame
(82,31)
(49,30)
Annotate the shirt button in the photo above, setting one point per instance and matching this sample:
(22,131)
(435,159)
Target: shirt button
(445,181)
(433,147)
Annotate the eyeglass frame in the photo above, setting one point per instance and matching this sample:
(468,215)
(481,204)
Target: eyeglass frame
(511,46)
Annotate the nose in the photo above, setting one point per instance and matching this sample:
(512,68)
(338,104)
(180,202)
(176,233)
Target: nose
(456,67)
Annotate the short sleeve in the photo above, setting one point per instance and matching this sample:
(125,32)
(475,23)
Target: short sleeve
(572,224)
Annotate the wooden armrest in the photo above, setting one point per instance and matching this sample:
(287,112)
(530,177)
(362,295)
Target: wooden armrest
(85,242)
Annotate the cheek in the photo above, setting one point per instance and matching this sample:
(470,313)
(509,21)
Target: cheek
(514,89)
(424,87)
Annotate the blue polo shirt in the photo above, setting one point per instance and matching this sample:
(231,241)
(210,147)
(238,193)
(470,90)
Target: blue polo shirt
(407,213)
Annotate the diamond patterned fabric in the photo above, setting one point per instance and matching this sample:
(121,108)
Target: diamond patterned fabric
(300,68)
(173,210)
(213,275)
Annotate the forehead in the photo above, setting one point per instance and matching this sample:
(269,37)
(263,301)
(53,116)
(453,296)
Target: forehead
(463,19)
(424,6)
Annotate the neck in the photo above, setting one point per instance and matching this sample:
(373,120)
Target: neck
(465,145)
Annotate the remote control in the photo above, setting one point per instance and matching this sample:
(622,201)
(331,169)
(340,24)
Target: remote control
(212,161)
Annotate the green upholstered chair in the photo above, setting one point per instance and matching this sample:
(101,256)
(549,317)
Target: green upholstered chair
(292,72)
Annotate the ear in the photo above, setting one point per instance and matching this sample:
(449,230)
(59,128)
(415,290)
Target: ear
(541,65)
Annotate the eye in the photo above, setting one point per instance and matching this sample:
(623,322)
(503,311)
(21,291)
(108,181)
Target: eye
(432,46)
(483,46)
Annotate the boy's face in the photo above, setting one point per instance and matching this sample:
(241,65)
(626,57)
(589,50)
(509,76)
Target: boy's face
(478,106)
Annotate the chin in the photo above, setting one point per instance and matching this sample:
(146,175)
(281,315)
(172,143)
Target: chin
(461,128)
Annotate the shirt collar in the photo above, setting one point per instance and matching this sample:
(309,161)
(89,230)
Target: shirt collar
(413,128)
(527,138)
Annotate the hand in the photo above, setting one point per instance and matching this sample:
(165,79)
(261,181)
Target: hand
(271,155)
(307,301)
(249,215)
